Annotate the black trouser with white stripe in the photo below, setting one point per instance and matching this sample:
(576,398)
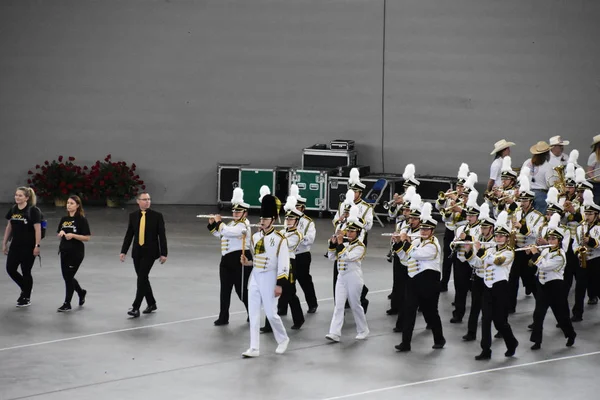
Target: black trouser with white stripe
(551,294)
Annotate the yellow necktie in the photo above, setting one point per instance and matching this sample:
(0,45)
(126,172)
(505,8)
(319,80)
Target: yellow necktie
(142,233)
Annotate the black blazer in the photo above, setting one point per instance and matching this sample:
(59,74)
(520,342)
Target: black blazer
(155,239)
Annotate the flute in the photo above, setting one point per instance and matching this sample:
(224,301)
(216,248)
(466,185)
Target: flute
(274,226)
(398,234)
(471,242)
(545,246)
(212,216)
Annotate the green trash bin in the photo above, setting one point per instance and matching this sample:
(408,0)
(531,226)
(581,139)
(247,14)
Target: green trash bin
(251,180)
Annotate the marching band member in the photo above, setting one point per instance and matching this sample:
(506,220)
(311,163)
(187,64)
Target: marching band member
(506,194)
(555,206)
(349,256)
(462,269)
(395,209)
(496,263)
(230,270)
(527,224)
(269,273)
(399,270)
(306,227)
(573,218)
(587,248)
(423,257)
(453,216)
(485,239)
(294,238)
(366,213)
(550,264)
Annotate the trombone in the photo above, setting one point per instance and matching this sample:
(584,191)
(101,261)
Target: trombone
(442,195)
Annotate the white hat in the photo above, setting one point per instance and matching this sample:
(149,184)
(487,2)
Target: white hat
(409,176)
(295,191)
(354,221)
(237,200)
(588,202)
(264,190)
(427,220)
(557,141)
(595,141)
(354,182)
(501,145)
(290,208)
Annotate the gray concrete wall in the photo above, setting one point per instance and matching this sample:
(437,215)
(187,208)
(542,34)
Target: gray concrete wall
(178,86)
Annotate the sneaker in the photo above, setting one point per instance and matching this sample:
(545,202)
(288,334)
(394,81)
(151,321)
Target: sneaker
(362,335)
(82,297)
(282,346)
(66,307)
(24,302)
(251,353)
(333,337)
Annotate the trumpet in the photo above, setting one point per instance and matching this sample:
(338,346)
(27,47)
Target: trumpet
(442,195)
(544,246)
(388,204)
(445,209)
(212,216)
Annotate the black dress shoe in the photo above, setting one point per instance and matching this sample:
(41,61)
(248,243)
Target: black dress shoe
(484,355)
(593,301)
(530,327)
(510,351)
(149,309)
(439,345)
(392,311)
(312,310)
(571,340)
(398,329)
(455,320)
(576,318)
(266,329)
(402,347)
(82,297)
(498,335)
(469,337)
(134,312)
(536,346)
(297,326)
(220,322)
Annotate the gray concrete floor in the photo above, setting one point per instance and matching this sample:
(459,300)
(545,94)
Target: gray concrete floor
(96,352)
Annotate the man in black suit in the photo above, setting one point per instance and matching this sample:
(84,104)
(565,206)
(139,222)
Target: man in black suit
(147,231)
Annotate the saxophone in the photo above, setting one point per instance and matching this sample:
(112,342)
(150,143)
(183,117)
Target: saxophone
(582,253)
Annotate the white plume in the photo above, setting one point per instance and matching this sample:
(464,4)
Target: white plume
(525,184)
(573,157)
(570,171)
(354,176)
(426,211)
(526,171)
(561,202)
(588,197)
(552,197)
(410,192)
(295,191)
(238,196)
(415,202)
(484,211)
(472,200)
(353,214)
(579,175)
(506,164)
(409,172)
(290,203)
(502,220)
(463,171)
(554,221)
(264,190)
(471,181)
(349,200)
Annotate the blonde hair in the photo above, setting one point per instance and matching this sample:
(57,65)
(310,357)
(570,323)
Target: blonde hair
(30,194)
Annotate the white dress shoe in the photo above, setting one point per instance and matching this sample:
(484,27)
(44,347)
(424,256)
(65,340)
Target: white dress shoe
(251,353)
(282,346)
(362,335)
(333,337)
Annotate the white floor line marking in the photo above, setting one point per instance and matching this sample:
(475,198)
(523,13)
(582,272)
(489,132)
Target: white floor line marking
(144,327)
(445,378)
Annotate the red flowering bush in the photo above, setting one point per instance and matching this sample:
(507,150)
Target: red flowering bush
(116,181)
(58,178)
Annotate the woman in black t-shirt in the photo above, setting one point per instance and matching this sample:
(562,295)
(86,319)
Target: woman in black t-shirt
(24,232)
(73,230)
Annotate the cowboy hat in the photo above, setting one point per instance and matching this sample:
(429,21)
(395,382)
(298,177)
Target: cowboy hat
(557,141)
(501,145)
(539,148)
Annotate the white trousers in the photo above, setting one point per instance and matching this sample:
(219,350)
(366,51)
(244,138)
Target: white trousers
(261,292)
(348,286)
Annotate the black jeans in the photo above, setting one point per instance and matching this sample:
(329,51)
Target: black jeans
(143,265)
(230,276)
(462,285)
(25,258)
(423,291)
(69,265)
(494,308)
(551,294)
